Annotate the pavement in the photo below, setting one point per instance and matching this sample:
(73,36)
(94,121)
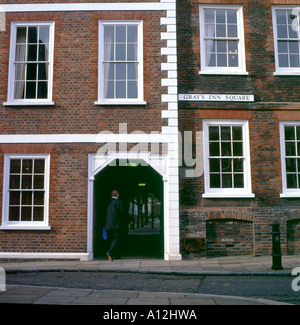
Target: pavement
(241,265)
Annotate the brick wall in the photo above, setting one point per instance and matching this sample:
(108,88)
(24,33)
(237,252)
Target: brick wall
(76,78)
(246,221)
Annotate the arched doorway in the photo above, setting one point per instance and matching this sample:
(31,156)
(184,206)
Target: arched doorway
(141,191)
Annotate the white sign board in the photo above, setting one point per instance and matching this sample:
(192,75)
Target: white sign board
(216,97)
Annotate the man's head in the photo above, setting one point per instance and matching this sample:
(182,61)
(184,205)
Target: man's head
(115,193)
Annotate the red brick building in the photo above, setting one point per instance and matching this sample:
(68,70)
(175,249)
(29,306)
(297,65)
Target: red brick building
(88,103)
(239,95)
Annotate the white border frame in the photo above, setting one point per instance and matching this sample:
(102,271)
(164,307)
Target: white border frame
(286,193)
(281,71)
(10,90)
(140,99)
(245,192)
(38,225)
(241,69)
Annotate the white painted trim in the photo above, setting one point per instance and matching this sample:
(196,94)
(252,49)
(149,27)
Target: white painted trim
(80,256)
(85,138)
(141,6)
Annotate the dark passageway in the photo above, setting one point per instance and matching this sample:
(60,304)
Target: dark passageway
(141,192)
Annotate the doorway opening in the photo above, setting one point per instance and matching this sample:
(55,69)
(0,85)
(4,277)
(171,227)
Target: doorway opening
(141,193)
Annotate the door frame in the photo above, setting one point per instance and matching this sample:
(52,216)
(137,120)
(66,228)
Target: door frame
(97,162)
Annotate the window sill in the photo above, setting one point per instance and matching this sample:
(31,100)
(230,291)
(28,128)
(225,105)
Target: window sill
(228,196)
(28,103)
(123,103)
(230,73)
(25,227)
(287,74)
(290,195)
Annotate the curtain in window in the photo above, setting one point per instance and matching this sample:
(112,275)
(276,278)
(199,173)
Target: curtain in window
(209,35)
(20,63)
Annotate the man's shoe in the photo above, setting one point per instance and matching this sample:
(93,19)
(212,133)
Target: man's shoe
(109,257)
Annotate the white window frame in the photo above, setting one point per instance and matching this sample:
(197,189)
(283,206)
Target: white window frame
(11,77)
(286,192)
(120,101)
(281,70)
(245,192)
(24,225)
(241,69)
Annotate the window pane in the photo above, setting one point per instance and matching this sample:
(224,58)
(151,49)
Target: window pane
(121,34)
(14,214)
(237,133)
(27,182)
(38,198)
(225,133)
(131,52)
(289,132)
(120,52)
(31,71)
(32,34)
(291,165)
(26,213)
(214,165)
(283,47)
(31,90)
(238,149)
(226,165)
(214,149)
(38,214)
(14,182)
(220,16)
(44,35)
(43,53)
(42,91)
(38,182)
(215,181)
(21,35)
(238,165)
(32,53)
(222,60)
(132,89)
(132,34)
(220,30)
(232,31)
(15,166)
(121,71)
(281,17)
(291,180)
(290,149)
(226,149)
(14,198)
(238,181)
(39,166)
(209,16)
(294,61)
(27,166)
(120,89)
(214,133)
(132,71)
(26,198)
(226,181)
(231,17)
(282,31)
(283,60)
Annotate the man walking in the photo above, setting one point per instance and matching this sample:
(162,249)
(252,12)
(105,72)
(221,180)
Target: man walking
(114,224)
